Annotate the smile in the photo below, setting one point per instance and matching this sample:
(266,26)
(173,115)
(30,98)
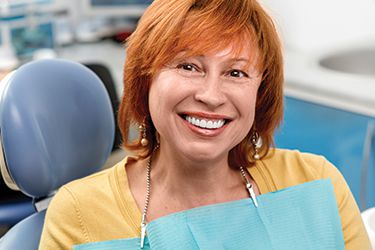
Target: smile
(205,123)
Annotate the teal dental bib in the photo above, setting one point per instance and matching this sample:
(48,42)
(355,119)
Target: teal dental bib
(300,217)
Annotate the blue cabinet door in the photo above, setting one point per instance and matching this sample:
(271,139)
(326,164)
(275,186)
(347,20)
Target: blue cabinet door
(337,134)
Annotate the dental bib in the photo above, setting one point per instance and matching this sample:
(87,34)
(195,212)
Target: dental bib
(300,217)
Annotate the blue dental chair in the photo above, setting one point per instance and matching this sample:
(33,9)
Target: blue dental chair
(56,125)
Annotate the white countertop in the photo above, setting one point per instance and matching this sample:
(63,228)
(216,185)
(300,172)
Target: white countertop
(307,80)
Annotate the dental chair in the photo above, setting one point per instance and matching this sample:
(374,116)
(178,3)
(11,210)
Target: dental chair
(56,125)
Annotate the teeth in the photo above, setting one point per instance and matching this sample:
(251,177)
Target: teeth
(210,124)
(203,123)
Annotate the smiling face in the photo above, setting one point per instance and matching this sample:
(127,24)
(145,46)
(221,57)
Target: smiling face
(196,28)
(202,106)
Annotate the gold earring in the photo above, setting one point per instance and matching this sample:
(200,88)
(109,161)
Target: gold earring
(256,140)
(142,129)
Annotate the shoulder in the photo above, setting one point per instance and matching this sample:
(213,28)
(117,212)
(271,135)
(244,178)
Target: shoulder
(79,193)
(95,190)
(80,209)
(89,185)
(291,167)
(282,168)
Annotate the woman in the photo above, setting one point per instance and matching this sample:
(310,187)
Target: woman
(203,79)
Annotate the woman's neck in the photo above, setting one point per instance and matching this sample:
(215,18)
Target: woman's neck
(179,183)
(194,182)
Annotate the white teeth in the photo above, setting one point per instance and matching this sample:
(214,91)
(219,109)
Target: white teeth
(195,122)
(203,123)
(210,124)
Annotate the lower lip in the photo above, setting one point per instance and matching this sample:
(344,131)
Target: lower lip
(204,132)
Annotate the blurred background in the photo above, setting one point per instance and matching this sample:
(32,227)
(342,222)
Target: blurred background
(329,49)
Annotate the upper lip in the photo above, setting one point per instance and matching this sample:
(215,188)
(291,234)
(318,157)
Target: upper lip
(204,115)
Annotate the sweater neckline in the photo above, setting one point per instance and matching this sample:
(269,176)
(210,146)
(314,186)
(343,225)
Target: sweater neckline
(129,208)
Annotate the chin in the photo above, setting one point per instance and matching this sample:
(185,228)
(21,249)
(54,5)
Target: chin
(205,153)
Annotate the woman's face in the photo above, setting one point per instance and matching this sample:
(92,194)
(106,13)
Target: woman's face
(203,106)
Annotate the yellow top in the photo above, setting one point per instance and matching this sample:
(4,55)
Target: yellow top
(101,207)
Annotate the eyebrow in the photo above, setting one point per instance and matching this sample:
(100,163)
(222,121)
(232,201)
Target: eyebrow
(227,62)
(241,59)
(231,60)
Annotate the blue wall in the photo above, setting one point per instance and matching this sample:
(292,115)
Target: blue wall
(338,135)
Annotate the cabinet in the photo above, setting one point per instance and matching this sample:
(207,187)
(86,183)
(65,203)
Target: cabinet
(343,137)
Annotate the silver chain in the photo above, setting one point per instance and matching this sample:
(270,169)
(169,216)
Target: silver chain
(244,175)
(148,188)
(147,201)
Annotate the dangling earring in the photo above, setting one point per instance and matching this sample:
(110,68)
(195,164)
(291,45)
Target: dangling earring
(256,140)
(142,129)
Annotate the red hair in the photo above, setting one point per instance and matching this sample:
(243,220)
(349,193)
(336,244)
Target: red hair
(170,26)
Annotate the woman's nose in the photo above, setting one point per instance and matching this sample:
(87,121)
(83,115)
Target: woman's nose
(211,92)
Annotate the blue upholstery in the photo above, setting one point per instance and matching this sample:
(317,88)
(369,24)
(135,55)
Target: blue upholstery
(56,125)
(13,212)
(25,235)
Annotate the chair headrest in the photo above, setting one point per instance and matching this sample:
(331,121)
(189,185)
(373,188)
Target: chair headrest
(56,125)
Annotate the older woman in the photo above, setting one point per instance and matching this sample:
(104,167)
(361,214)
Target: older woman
(203,80)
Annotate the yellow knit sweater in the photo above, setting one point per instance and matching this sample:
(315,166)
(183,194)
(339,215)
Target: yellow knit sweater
(101,207)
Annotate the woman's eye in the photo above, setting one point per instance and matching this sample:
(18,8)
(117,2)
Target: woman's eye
(237,73)
(187,67)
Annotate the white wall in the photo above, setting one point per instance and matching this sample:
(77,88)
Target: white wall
(308,25)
